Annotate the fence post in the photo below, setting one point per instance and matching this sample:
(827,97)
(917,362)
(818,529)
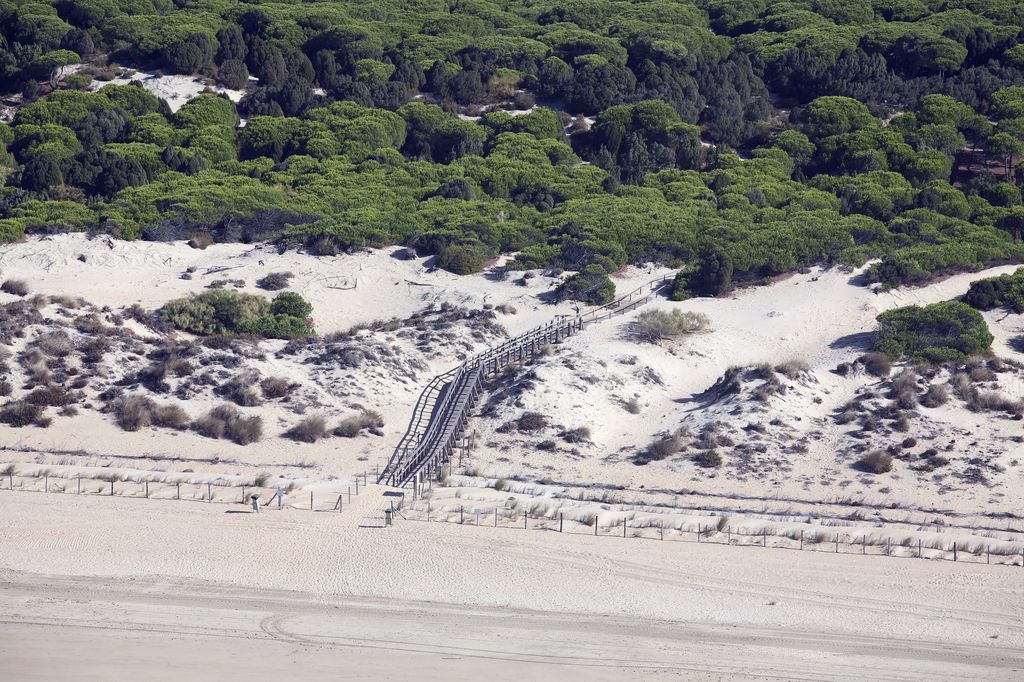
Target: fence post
(728,535)
(178,485)
(561,518)
(310,500)
(864,544)
(954,550)
(596,520)
(460,515)
(147,491)
(349,493)
(700,529)
(988,554)
(764,537)
(79,484)
(243,494)
(111,487)
(526,519)
(623,527)
(46,483)
(495,517)
(801,540)
(661,528)
(837,543)
(209,492)
(919,548)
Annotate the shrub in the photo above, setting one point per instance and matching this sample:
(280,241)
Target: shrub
(934,333)
(350,427)
(997,292)
(50,396)
(709,459)
(654,325)
(18,413)
(663,447)
(936,395)
(226,421)
(275,281)
(877,364)
(222,311)
(135,412)
(241,389)
(876,462)
(309,430)
(592,285)
(274,387)
(461,259)
(217,311)
(56,344)
(15,287)
(632,406)
(793,369)
(531,421)
(578,435)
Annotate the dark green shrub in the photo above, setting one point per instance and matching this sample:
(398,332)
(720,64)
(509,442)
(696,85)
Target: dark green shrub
(221,311)
(291,304)
(934,333)
(997,292)
(461,259)
(592,285)
(709,459)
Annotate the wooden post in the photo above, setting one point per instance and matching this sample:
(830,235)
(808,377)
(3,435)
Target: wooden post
(988,554)
(495,517)
(478,517)
(728,535)
(837,543)
(801,540)
(661,528)
(209,492)
(888,550)
(79,484)
(460,515)
(864,544)
(919,548)
(111,488)
(349,492)
(357,485)
(243,493)
(596,520)
(147,490)
(526,519)
(623,527)
(764,537)
(310,500)
(954,550)
(178,484)
(700,529)
(561,518)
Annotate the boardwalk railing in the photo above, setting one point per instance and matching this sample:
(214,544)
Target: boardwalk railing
(442,411)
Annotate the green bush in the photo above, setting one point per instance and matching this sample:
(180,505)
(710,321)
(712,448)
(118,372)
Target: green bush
(939,332)
(1003,291)
(592,285)
(223,311)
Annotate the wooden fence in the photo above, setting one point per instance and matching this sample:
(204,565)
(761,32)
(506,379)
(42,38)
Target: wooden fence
(442,411)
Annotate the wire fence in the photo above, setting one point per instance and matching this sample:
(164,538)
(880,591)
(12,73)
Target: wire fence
(863,541)
(169,486)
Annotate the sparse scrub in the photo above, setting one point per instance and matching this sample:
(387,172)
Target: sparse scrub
(631,405)
(309,430)
(708,459)
(19,413)
(663,447)
(876,462)
(55,344)
(936,395)
(274,387)
(241,389)
(876,364)
(793,369)
(135,412)
(275,281)
(655,325)
(531,421)
(225,421)
(577,435)
(14,287)
(352,426)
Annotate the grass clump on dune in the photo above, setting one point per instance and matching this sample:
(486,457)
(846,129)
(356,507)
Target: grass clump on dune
(655,325)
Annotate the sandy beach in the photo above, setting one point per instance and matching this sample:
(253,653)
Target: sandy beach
(91,581)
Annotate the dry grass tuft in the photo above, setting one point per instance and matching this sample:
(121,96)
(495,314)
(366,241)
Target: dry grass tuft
(309,430)
(350,427)
(655,325)
(275,387)
(225,421)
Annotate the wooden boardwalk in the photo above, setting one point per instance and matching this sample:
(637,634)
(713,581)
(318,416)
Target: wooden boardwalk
(443,409)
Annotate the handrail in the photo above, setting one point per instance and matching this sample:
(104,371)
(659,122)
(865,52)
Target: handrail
(420,442)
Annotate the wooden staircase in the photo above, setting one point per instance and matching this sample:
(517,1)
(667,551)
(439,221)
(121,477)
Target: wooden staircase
(442,411)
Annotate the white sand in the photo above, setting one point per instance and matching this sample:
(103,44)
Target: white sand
(430,600)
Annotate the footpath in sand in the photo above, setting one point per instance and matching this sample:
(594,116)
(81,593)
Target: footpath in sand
(155,588)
